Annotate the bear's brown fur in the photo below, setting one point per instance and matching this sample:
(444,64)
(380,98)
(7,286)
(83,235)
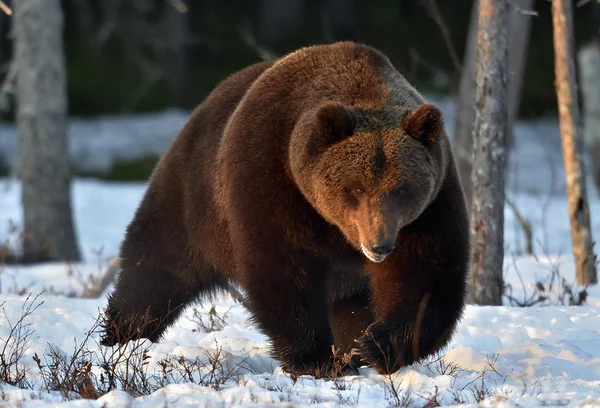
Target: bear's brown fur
(325,186)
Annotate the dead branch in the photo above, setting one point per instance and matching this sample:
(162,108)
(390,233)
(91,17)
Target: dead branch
(100,286)
(582,3)
(436,15)
(179,5)
(5,8)
(525,225)
(264,53)
(523,11)
(8,86)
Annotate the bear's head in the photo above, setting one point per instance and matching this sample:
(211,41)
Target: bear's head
(365,176)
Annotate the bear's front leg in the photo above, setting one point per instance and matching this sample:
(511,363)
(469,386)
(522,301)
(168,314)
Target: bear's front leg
(417,307)
(287,298)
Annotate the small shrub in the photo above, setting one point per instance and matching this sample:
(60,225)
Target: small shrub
(554,290)
(209,321)
(209,370)
(12,371)
(70,375)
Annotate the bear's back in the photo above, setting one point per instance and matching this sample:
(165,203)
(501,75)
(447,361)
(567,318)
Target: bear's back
(184,180)
(355,75)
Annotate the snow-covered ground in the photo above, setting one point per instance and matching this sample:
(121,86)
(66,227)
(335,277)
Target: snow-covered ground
(546,355)
(95,145)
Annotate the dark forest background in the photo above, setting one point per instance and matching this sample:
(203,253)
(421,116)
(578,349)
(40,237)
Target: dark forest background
(146,55)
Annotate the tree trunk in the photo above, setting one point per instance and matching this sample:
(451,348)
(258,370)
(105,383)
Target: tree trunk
(4,24)
(519,30)
(177,30)
(464,114)
(489,158)
(572,146)
(42,128)
(589,72)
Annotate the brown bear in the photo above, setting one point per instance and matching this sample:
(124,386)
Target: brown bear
(325,186)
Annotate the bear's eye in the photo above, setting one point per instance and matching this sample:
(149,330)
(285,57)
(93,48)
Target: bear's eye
(401,192)
(357,191)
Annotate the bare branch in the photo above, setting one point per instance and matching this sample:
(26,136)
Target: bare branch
(98,289)
(179,5)
(5,8)
(525,225)
(582,3)
(436,15)
(8,86)
(263,52)
(523,11)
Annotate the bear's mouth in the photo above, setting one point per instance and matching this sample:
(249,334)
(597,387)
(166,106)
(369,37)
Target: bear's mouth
(372,256)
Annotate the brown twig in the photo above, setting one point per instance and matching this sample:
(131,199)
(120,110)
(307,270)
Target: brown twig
(98,289)
(525,225)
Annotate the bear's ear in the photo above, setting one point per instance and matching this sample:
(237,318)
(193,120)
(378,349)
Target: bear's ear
(425,123)
(334,123)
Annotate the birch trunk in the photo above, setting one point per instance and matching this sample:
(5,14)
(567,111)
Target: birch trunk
(518,40)
(572,146)
(489,154)
(589,74)
(41,126)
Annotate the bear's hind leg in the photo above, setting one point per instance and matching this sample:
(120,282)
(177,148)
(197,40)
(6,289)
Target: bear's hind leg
(150,295)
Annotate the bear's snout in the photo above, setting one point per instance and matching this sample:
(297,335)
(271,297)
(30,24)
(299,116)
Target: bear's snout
(377,252)
(382,249)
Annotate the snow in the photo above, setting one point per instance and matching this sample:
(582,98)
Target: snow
(96,144)
(545,355)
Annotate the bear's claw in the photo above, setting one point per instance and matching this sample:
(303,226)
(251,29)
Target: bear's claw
(378,349)
(334,368)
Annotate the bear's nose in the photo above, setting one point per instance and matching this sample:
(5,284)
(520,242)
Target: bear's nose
(382,249)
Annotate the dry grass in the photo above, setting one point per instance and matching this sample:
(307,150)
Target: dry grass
(552,290)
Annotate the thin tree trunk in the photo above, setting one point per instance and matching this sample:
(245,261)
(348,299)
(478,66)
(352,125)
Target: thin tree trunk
(4,24)
(589,73)
(519,30)
(177,29)
(489,154)
(42,127)
(464,115)
(518,40)
(572,146)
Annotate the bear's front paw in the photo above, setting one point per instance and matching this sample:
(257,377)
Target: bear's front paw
(380,347)
(336,366)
